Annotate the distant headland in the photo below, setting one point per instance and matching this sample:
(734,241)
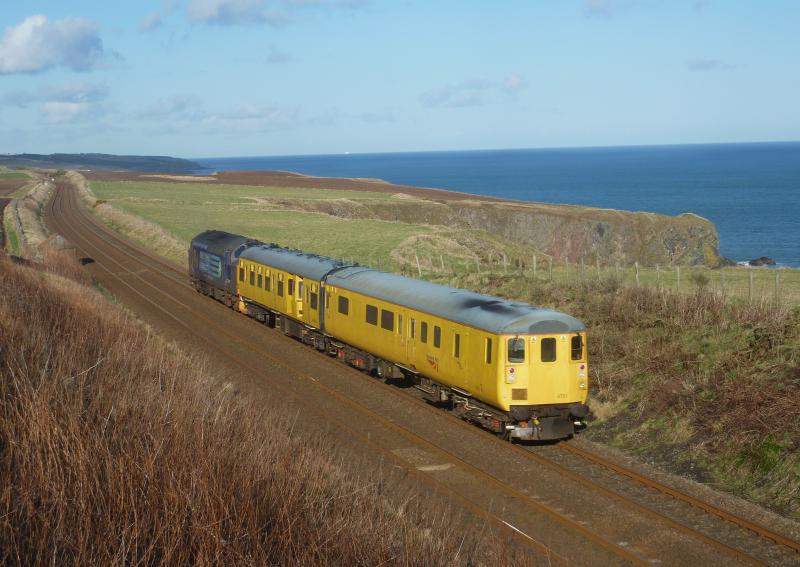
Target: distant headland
(159,164)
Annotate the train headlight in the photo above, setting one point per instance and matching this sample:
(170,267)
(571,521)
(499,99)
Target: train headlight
(511,376)
(582,385)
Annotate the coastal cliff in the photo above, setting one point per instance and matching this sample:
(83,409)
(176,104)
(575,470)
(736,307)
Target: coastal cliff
(574,233)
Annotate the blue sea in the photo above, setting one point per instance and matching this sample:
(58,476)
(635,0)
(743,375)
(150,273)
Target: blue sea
(750,191)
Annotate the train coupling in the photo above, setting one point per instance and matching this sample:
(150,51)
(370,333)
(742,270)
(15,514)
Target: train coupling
(542,429)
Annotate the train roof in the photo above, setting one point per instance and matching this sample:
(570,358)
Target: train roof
(295,261)
(485,312)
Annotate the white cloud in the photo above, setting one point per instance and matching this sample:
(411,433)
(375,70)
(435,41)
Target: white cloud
(37,44)
(77,93)
(176,107)
(64,104)
(150,22)
(66,112)
(273,12)
(230,12)
(471,92)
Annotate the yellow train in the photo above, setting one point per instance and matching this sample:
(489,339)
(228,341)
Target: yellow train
(516,370)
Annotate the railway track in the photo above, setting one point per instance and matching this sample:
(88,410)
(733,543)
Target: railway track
(130,267)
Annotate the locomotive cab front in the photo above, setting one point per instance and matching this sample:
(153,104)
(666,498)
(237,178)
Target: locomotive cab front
(546,381)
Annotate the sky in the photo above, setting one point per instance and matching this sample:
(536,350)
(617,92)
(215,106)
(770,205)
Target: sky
(212,78)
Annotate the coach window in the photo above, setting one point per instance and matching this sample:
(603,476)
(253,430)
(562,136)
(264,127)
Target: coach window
(372,315)
(399,324)
(312,300)
(280,288)
(300,287)
(577,347)
(344,305)
(488,351)
(548,350)
(241,273)
(387,319)
(516,350)
(456,345)
(267,283)
(423,332)
(437,336)
(252,277)
(291,287)
(412,328)
(259,279)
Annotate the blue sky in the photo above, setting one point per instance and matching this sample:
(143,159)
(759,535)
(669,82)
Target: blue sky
(199,78)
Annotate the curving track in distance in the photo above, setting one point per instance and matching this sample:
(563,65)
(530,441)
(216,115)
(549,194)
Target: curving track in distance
(546,507)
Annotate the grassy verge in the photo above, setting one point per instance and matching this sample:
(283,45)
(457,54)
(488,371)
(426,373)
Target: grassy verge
(11,238)
(117,448)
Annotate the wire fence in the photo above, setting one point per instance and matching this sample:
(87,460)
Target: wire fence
(779,285)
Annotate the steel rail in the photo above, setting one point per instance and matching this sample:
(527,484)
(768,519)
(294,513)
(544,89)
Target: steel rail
(707,507)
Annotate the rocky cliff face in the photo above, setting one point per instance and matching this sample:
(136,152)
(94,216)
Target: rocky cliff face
(565,232)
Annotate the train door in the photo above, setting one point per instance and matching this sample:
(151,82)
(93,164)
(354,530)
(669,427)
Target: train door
(549,370)
(289,302)
(299,298)
(413,337)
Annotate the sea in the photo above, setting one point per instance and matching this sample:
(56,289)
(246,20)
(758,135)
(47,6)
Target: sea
(751,191)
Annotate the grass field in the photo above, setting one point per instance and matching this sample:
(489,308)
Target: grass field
(187,209)
(13,175)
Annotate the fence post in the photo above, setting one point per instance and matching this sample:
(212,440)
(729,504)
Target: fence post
(441,261)
(419,268)
(597,262)
(550,266)
(636,265)
(658,276)
(722,280)
(777,287)
(678,271)
(750,286)
(534,266)
(478,264)
(505,263)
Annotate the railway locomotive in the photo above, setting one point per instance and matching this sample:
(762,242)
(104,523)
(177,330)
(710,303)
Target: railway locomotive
(516,370)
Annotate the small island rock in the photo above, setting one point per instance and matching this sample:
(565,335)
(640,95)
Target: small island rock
(763,261)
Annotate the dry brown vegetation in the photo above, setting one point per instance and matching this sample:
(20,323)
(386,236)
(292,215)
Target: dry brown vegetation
(117,448)
(705,385)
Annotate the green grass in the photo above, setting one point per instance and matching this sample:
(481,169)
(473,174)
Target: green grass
(218,194)
(13,175)
(187,209)
(12,240)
